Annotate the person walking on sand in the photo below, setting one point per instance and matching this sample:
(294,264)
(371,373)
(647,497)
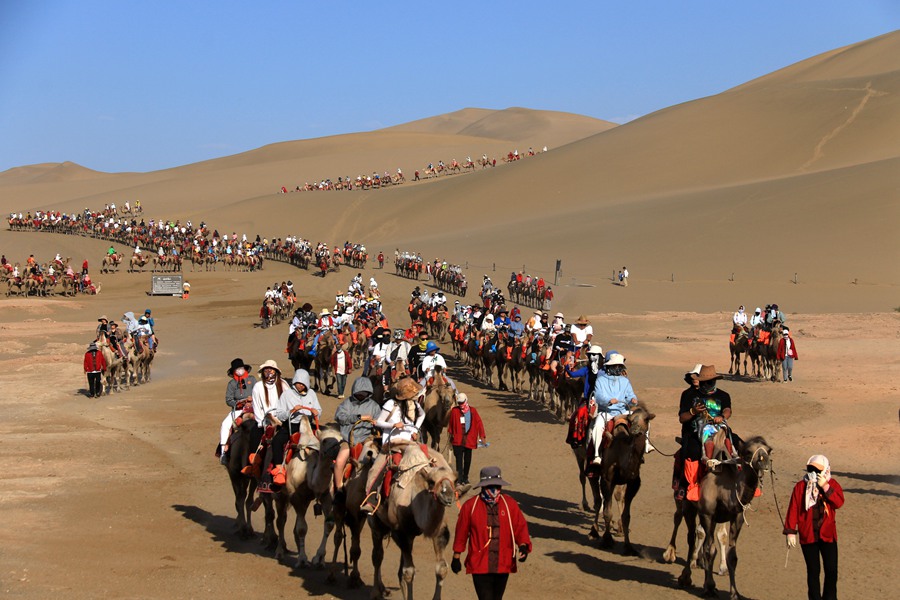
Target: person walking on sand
(94,368)
(493,527)
(624,276)
(466,430)
(787,354)
(810,520)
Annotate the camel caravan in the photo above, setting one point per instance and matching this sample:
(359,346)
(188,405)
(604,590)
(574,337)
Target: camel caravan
(378,181)
(759,340)
(127,351)
(358,473)
(44,279)
(164,246)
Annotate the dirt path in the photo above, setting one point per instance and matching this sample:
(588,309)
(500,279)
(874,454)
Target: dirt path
(121,496)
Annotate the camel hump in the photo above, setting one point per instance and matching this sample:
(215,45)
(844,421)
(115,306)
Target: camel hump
(414,458)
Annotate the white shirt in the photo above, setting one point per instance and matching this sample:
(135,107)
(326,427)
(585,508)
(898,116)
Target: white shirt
(580,334)
(430,362)
(265,400)
(756,320)
(740,318)
(390,414)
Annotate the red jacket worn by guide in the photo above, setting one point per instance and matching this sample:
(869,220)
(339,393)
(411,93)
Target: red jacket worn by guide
(801,521)
(457,426)
(781,352)
(472,527)
(94,361)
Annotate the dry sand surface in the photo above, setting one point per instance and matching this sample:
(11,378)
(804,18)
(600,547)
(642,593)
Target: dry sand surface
(121,496)
(795,172)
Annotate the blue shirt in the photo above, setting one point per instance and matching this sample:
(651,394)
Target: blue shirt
(607,387)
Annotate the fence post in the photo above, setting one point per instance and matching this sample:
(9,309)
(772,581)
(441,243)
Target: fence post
(795,279)
(558,272)
(673,277)
(495,266)
(732,277)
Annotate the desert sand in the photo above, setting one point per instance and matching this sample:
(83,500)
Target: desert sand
(795,172)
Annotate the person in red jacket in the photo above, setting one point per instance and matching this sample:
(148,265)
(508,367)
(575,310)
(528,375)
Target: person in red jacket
(466,429)
(342,363)
(495,530)
(94,368)
(811,521)
(787,354)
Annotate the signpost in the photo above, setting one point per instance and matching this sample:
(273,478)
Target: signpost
(166,285)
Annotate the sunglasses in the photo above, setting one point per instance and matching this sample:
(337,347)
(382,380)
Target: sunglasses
(813,469)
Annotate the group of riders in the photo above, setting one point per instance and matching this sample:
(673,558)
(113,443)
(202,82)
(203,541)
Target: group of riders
(41,279)
(167,244)
(125,352)
(362,182)
(376,180)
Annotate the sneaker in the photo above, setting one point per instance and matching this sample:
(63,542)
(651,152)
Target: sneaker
(596,461)
(341,397)
(790,377)
(224,459)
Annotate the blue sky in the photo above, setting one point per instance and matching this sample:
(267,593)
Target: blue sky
(134,85)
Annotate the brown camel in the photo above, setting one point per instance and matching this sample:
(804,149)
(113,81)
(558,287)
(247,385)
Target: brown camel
(309,474)
(425,486)
(346,510)
(725,492)
(439,399)
(738,346)
(621,466)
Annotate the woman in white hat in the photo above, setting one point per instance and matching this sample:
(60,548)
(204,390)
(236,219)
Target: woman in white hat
(265,397)
(810,521)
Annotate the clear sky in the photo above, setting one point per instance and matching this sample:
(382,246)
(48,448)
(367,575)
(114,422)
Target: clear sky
(129,85)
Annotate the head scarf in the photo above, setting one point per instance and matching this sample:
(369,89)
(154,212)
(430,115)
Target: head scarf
(812,487)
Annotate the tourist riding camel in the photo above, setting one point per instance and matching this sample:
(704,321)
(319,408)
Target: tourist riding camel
(238,396)
(400,419)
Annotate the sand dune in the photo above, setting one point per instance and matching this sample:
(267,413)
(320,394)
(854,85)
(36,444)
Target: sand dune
(793,172)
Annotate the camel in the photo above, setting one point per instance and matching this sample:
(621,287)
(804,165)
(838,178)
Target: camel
(322,368)
(346,509)
(621,466)
(309,475)
(738,346)
(298,352)
(139,357)
(244,486)
(439,400)
(725,492)
(111,263)
(15,288)
(138,262)
(424,488)
(115,365)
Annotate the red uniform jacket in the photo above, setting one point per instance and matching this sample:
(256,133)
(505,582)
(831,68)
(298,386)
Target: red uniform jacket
(94,361)
(799,520)
(457,427)
(781,349)
(472,527)
(346,357)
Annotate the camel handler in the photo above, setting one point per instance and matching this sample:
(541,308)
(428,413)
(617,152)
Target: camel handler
(493,527)
(356,417)
(810,520)
(400,419)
